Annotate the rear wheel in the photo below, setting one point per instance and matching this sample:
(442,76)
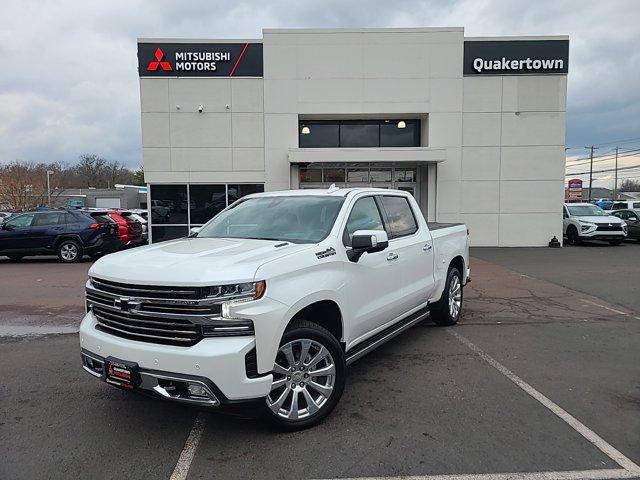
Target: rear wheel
(447,310)
(308,377)
(615,242)
(69,251)
(572,236)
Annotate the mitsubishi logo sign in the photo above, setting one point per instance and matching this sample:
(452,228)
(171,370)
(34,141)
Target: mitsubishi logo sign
(199,59)
(158,62)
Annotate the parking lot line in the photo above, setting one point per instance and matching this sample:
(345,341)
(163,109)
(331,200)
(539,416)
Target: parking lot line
(188,451)
(619,312)
(567,475)
(573,422)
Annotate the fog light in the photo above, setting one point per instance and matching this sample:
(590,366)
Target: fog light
(197,390)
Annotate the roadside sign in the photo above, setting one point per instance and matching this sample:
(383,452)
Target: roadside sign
(574,191)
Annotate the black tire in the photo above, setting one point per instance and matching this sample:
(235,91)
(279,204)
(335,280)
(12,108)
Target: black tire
(615,243)
(15,258)
(442,314)
(572,236)
(69,251)
(301,330)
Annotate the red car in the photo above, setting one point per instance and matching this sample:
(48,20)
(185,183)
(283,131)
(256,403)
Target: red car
(130,229)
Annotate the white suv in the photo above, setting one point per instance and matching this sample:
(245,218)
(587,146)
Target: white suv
(585,221)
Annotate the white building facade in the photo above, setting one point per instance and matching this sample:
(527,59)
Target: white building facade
(474,128)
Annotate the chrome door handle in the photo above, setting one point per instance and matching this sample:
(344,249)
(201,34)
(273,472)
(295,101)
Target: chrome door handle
(392,256)
(427,247)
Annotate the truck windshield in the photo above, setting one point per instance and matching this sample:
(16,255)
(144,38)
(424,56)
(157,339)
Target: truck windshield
(296,219)
(586,211)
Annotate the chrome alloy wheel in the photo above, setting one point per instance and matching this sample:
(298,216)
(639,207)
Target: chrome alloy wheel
(455,296)
(303,378)
(69,251)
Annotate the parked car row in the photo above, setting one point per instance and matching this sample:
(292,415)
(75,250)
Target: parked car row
(70,234)
(586,221)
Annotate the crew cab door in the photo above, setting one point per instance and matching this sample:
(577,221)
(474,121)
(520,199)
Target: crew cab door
(14,233)
(45,228)
(373,292)
(411,242)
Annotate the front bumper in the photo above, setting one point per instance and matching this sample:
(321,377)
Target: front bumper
(218,363)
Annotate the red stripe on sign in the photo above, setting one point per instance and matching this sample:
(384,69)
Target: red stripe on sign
(244,49)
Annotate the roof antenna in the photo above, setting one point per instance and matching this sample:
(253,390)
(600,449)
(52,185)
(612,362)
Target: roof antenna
(332,188)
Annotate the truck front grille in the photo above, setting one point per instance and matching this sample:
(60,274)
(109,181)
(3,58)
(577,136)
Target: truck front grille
(136,327)
(155,314)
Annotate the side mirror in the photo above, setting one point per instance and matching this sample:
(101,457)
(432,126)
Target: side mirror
(193,231)
(367,241)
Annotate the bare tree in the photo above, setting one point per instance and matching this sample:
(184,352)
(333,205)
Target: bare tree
(23,185)
(629,185)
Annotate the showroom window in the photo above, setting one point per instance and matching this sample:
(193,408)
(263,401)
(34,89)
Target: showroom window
(176,208)
(358,133)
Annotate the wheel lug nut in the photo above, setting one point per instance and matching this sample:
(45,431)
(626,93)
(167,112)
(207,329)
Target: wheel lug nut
(302,384)
(306,375)
(288,378)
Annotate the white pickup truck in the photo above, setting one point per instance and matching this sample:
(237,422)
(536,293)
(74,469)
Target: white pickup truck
(271,299)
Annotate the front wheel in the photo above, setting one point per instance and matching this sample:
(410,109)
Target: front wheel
(69,251)
(572,236)
(447,310)
(308,377)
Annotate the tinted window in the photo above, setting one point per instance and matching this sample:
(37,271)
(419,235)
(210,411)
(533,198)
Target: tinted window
(359,134)
(320,134)
(162,233)
(399,217)
(633,216)
(206,202)
(292,218)
(364,216)
(636,204)
(310,175)
(238,191)
(21,221)
(169,203)
(334,175)
(394,134)
(101,218)
(44,219)
(618,206)
(620,214)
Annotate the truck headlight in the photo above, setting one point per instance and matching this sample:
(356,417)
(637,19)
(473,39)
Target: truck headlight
(245,292)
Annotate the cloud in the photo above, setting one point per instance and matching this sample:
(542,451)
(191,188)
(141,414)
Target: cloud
(69,83)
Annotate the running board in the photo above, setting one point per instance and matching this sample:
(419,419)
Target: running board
(385,335)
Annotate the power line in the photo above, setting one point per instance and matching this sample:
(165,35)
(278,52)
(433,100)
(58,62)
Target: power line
(602,157)
(614,142)
(604,171)
(627,154)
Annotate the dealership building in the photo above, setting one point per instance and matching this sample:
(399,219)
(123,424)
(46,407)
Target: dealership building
(473,127)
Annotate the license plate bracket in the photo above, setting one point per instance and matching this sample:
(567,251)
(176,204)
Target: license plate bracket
(122,373)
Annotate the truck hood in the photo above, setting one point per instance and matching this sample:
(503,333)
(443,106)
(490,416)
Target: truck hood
(192,261)
(600,219)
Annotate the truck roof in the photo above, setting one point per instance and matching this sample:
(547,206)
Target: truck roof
(331,191)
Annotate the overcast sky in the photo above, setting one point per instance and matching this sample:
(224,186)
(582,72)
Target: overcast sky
(69,85)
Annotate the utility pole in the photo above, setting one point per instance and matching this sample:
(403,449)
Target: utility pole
(49,173)
(615,184)
(591,169)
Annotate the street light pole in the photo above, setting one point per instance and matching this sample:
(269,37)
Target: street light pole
(615,184)
(49,173)
(591,169)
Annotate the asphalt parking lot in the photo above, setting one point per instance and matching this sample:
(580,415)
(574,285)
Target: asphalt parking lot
(541,379)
